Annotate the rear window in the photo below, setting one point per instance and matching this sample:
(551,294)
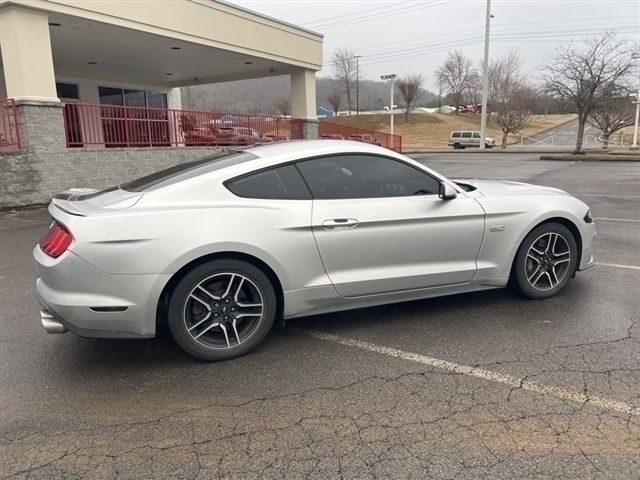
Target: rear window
(283,183)
(455,134)
(183,171)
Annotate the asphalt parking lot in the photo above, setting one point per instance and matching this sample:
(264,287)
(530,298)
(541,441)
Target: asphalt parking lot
(484,385)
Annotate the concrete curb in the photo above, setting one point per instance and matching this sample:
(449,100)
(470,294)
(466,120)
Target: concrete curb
(592,158)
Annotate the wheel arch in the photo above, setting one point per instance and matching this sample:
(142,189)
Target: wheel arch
(163,299)
(569,224)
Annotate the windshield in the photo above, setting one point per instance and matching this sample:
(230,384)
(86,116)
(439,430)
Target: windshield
(186,170)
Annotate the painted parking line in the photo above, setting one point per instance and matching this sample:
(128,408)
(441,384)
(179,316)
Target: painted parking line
(606,219)
(509,380)
(618,265)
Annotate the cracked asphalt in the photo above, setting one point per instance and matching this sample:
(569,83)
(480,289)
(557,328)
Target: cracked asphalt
(412,390)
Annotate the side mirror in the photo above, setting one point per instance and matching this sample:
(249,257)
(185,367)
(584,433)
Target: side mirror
(447,192)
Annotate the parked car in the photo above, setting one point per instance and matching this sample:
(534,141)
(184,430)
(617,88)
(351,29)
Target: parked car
(276,138)
(200,136)
(364,137)
(463,139)
(220,246)
(231,136)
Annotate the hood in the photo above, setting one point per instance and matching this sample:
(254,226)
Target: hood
(82,201)
(492,188)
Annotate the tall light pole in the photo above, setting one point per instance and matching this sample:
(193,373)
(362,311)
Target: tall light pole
(392,77)
(357,57)
(636,56)
(485,77)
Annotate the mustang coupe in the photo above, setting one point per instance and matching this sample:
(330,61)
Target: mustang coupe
(222,246)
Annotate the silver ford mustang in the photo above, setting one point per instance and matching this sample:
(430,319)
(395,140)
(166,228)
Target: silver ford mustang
(222,246)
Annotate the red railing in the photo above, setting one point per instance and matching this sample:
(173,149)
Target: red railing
(346,132)
(9,133)
(117,126)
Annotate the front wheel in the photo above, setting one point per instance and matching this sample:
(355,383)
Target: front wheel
(545,261)
(221,309)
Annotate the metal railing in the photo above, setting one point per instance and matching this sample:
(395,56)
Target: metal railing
(346,132)
(9,132)
(118,126)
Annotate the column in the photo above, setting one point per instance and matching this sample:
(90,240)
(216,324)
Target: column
(26,55)
(303,101)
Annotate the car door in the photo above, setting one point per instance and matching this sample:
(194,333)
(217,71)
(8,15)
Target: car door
(466,139)
(380,225)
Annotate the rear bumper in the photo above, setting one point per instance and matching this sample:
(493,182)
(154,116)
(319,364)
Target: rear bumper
(77,296)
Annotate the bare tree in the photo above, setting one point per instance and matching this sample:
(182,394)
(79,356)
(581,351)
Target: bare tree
(335,100)
(613,114)
(511,99)
(583,75)
(344,63)
(504,76)
(283,106)
(410,89)
(454,74)
(513,114)
(473,88)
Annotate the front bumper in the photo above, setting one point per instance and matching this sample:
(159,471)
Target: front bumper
(588,233)
(77,296)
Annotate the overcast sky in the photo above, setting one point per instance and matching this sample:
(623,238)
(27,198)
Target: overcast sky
(413,36)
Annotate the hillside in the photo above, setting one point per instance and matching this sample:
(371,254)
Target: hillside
(433,130)
(261,94)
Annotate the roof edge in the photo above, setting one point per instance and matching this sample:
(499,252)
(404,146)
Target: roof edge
(267,17)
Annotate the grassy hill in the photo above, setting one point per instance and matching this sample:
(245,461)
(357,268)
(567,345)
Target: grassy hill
(424,130)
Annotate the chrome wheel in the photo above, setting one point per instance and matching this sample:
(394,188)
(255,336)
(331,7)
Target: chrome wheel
(223,310)
(547,261)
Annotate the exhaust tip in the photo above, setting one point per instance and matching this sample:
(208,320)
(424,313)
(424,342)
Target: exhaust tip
(50,324)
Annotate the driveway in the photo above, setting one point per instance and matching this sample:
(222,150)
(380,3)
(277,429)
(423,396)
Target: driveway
(565,135)
(483,385)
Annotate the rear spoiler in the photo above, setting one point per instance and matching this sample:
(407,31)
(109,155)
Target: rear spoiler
(84,201)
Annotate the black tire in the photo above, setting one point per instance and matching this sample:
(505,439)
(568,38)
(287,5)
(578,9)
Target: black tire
(214,344)
(457,146)
(553,268)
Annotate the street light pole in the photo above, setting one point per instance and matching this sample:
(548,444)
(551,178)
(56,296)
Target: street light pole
(485,78)
(391,77)
(635,128)
(357,57)
(636,56)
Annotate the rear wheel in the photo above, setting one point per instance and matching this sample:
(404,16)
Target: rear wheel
(545,261)
(457,146)
(221,309)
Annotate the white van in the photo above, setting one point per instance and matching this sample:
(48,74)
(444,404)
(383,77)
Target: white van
(464,138)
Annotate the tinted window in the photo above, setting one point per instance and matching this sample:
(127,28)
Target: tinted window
(187,170)
(466,134)
(67,90)
(476,135)
(281,183)
(456,135)
(363,176)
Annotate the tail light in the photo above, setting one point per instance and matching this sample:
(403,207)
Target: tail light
(56,240)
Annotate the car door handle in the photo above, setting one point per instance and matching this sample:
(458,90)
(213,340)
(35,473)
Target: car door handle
(339,223)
